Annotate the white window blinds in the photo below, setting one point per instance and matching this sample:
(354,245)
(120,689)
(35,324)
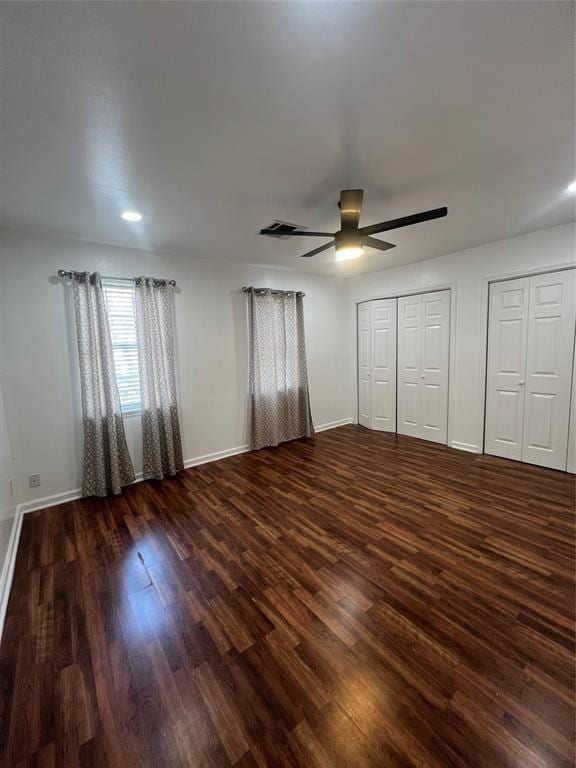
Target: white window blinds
(120,304)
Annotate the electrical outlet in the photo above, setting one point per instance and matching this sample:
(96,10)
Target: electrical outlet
(34,481)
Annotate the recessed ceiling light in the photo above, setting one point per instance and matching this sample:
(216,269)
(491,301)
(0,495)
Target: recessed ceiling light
(571,187)
(132,216)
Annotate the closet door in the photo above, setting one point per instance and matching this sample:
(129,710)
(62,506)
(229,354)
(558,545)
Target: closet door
(409,365)
(364,362)
(435,363)
(507,339)
(549,369)
(423,361)
(383,372)
(571,463)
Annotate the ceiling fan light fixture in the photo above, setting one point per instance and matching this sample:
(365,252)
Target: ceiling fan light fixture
(131,216)
(349,252)
(351,239)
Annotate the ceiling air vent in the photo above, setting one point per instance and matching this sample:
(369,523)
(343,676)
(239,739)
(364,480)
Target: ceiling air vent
(283,228)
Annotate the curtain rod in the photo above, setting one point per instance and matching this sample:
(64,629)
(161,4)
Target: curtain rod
(246,289)
(70,274)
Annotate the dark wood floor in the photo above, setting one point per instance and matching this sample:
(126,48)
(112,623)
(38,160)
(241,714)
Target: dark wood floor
(355,600)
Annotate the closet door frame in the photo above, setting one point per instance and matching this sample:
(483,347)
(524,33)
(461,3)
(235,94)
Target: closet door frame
(485,320)
(452,287)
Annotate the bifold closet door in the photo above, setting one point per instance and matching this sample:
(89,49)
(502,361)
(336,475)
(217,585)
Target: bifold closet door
(529,377)
(364,362)
(549,369)
(423,362)
(507,340)
(383,372)
(377,364)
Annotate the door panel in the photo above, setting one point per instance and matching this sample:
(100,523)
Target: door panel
(511,354)
(435,363)
(383,374)
(411,343)
(410,413)
(508,407)
(507,338)
(541,420)
(409,364)
(431,407)
(549,369)
(364,363)
(423,361)
(377,364)
(432,348)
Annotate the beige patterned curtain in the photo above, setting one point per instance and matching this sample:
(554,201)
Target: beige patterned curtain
(162,446)
(279,400)
(107,463)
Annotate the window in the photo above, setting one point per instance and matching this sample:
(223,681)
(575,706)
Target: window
(121,317)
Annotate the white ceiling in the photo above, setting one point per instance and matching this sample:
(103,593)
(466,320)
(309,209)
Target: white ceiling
(215,118)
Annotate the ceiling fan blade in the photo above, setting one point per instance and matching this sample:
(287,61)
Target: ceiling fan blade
(350,207)
(317,250)
(303,233)
(373,242)
(405,221)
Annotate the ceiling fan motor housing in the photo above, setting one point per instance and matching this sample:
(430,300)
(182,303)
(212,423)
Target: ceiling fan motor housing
(347,238)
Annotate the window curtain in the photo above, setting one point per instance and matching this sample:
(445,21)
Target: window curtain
(107,463)
(279,400)
(162,445)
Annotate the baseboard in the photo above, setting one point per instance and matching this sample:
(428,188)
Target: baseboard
(9,564)
(61,498)
(49,501)
(208,457)
(333,424)
(464,446)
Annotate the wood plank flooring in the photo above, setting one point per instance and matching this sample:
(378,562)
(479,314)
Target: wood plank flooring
(357,600)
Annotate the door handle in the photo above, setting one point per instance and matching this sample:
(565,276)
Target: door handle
(521,383)
(422,377)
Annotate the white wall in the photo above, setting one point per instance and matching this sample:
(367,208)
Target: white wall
(468,273)
(41,356)
(7,500)
(39,350)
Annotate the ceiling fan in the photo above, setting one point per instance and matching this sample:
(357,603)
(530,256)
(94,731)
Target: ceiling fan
(350,240)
